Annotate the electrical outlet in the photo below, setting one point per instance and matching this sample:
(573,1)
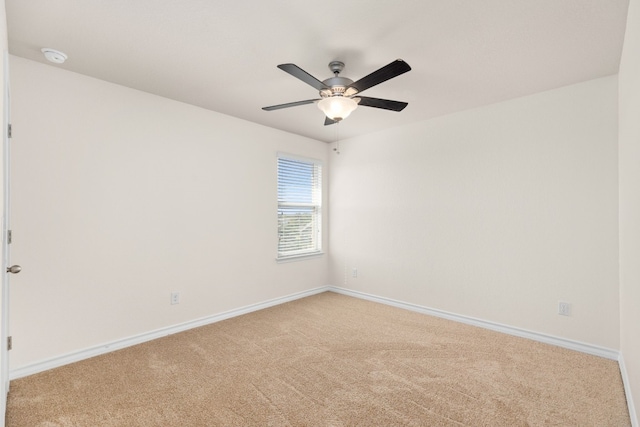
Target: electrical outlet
(354,272)
(564,308)
(175,298)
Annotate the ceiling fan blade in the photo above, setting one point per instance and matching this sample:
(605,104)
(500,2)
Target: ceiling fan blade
(328,121)
(385,73)
(382,103)
(290,104)
(301,74)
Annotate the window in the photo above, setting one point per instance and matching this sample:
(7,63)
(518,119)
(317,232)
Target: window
(299,206)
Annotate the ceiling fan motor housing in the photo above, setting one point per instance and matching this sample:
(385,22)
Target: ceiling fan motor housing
(337,86)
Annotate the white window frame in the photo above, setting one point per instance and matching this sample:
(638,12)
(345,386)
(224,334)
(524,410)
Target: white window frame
(310,201)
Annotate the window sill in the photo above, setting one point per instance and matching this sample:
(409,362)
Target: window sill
(302,257)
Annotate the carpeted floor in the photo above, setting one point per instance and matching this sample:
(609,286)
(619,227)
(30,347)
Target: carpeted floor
(327,360)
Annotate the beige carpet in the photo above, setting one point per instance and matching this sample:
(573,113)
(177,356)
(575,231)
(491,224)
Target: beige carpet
(327,360)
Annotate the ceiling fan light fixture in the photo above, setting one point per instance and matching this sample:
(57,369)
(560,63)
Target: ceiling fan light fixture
(337,107)
(338,94)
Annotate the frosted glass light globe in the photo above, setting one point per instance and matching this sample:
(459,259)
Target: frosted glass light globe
(337,107)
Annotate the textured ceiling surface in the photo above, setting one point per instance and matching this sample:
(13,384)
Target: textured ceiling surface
(222,56)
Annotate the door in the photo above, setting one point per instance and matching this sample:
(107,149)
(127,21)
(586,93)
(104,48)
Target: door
(7,269)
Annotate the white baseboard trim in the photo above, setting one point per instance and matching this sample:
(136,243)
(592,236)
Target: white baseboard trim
(510,330)
(627,391)
(87,353)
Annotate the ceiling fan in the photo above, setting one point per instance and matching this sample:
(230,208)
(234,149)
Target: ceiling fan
(338,94)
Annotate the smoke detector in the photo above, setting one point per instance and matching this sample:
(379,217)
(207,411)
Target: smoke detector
(53,55)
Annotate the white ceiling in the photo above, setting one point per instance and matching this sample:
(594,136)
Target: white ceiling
(222,55)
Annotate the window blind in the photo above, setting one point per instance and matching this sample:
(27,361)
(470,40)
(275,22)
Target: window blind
(299,206)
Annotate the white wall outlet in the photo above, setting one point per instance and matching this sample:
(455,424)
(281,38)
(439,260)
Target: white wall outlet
(354,272)
(175,298)
(564,308)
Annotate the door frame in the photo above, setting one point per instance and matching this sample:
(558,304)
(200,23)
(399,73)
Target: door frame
(4,316)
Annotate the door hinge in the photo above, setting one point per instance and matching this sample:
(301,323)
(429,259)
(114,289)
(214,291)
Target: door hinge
(9,133)
(9,343)
(9,237)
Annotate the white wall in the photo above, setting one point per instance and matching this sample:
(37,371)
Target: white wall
(629,146)
(496,213)
(121,197)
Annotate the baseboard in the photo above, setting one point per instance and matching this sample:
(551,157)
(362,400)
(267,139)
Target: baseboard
(158,333)
(627,391)
(510,330)
(87,353)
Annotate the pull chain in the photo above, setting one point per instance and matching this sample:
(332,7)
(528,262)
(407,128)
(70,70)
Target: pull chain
(337,149)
